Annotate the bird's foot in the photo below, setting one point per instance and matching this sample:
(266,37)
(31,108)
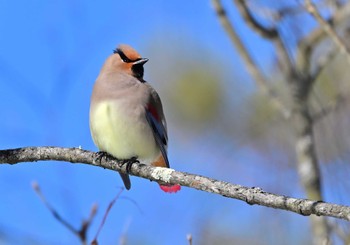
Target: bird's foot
(128,162)
(102,154)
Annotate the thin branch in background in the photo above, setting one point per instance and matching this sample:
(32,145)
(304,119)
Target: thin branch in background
(335,227)
(81,233)
(133,202)
(311,8)
(288,11)
(94,241)
(322,63)
(283,11)
(285,60)
(123,237)
(57,216)
(267,32)
(252,67)
(331,107)
(87,223)
(306,45)
(189,239)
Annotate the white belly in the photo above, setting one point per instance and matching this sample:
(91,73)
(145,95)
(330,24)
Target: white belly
(123,135)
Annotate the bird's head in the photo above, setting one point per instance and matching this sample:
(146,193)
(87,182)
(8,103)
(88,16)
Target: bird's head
(127,59)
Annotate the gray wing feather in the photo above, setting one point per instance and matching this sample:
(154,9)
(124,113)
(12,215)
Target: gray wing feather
(158,127)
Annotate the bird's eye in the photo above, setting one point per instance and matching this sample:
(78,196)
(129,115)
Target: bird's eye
(124,59)
(122,56)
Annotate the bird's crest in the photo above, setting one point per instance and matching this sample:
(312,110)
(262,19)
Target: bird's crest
(127,53)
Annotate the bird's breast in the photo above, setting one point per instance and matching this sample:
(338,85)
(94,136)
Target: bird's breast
(122,130)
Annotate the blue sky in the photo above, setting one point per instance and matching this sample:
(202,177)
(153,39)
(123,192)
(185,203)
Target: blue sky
(50,54)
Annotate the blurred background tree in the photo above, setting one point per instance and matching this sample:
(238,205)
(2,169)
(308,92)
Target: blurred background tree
(304,56)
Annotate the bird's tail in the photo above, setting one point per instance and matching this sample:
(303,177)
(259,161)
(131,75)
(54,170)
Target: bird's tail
(126,180)
(161,162)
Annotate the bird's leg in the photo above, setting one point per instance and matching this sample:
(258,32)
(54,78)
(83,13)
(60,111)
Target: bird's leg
(128,162)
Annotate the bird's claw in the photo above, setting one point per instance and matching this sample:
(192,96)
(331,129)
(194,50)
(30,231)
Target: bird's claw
(128,162)
(100,155)
(121,162)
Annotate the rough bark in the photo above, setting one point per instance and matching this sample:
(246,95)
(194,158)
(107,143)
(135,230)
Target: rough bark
(251,196)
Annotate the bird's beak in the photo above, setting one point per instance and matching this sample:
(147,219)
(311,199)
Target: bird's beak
(141,61)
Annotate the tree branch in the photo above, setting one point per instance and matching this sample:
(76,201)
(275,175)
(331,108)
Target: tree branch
(164,175)
(110,205)
(311,8)
(252,67)
(322,63)
(81,233)
(307,44)
(271,33)
(329,108)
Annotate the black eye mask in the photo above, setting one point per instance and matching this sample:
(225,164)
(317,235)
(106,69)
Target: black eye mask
(123,56)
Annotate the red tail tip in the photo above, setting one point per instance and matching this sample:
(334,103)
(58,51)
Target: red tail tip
(170,188)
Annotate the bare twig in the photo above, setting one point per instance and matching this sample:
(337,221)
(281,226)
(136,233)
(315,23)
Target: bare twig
(170,176)
(87,223)
(334,226)
(311,8)
(53,211)
(106,215)
(271,33)
(123,237)
(283,11)
(133,202)
(307,44)
(331,107)
(252,67)
(322,63)
(82,232)
(189,239)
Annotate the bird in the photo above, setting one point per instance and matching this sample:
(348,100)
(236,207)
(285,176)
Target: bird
(126,114)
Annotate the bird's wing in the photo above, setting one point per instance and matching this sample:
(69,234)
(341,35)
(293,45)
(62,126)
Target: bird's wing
(156,119)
